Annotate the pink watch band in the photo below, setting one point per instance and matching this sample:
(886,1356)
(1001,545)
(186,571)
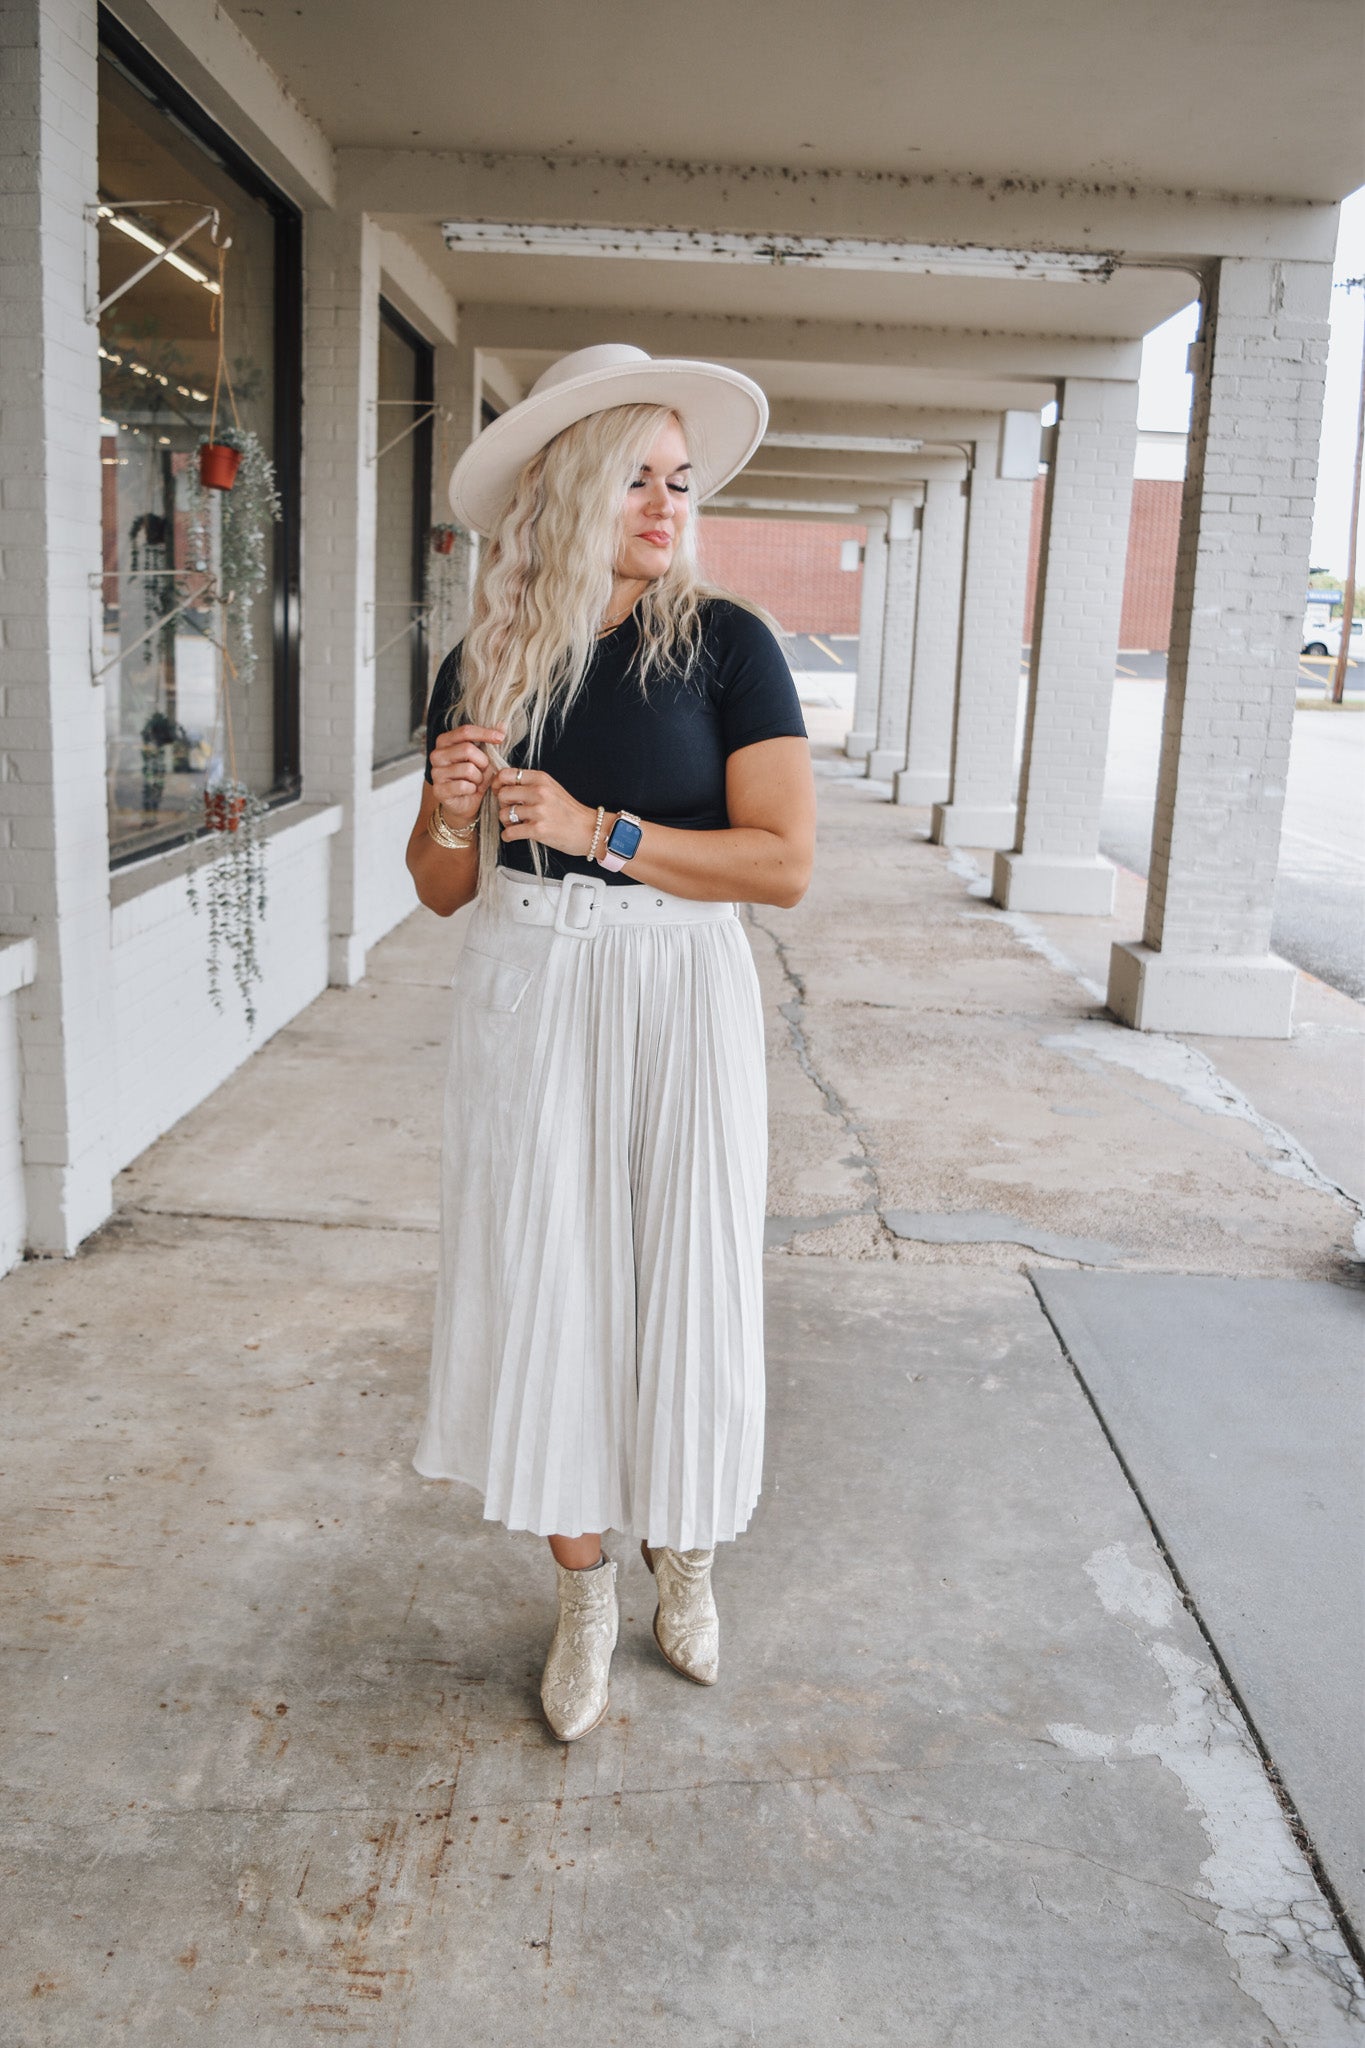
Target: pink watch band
(612,861)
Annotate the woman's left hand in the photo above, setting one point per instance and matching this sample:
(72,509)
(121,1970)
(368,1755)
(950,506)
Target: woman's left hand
(545,811)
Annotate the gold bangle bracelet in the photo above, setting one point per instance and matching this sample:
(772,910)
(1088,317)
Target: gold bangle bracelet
(456,838)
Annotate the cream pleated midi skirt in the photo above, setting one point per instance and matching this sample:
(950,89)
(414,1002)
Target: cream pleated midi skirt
(597,1360)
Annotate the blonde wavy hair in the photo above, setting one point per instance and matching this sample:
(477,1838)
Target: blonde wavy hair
(544,586)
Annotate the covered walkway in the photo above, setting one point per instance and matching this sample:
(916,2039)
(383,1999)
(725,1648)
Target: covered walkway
(1037,1708)
(972,1772)
(936,239)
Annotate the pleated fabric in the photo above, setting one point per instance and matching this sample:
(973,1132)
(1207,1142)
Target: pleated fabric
(597,1360)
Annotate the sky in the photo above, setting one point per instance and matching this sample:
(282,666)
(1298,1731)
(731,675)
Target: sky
(1164,388)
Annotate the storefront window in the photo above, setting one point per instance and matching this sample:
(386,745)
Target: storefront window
(404,438)
(177,715)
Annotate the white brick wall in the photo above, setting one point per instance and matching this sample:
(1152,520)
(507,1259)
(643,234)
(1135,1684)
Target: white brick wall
(116,1037)
(927,774)
(1083,554)
(54,876)
(1241,570)
(169,1047)
(386,891)
(999,513)
(898,636)
(871,616)
(340,378)
(18,964)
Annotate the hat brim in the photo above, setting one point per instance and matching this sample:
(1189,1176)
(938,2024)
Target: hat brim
(725,412)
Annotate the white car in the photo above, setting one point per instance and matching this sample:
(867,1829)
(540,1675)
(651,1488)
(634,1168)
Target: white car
(1324,637)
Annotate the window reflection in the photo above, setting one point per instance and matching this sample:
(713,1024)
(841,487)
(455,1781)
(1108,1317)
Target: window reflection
(163,668)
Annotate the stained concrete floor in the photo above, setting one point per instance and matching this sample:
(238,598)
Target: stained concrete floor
(275,1768)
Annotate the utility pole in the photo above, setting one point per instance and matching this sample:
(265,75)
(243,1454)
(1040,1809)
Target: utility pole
(1348,595)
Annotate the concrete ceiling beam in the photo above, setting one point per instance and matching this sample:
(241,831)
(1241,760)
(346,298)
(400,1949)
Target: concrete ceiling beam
(884,472)
(415,289)
(954,352)
(201,45)
(718,509)
(855,423)
(1133,222)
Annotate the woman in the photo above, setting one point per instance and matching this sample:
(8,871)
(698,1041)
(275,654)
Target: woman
(617,757)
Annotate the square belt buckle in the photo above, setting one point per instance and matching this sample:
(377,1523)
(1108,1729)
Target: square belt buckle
(579,911)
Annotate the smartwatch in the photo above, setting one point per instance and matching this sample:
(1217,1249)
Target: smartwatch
(622,841)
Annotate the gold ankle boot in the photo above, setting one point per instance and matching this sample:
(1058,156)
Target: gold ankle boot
(686,1625)
(573,1689)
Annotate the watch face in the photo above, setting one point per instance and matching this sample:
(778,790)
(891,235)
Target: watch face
(624,838)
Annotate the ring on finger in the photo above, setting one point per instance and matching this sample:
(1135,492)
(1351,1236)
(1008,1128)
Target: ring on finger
(519,774)
(512,817)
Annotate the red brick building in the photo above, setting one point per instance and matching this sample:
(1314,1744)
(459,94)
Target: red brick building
(1149,577)
(790,566)
(793,566)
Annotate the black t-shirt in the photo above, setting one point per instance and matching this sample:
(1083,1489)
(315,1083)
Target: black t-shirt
(661,755)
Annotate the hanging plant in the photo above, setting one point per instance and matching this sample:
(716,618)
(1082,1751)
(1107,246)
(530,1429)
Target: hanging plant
(219,460)
(227,880)
(227,875)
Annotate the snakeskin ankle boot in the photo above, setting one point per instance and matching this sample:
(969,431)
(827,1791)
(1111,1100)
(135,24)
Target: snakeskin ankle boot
(686,1625)
(573,1689)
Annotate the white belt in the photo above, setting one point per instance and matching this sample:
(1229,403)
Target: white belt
(582,905)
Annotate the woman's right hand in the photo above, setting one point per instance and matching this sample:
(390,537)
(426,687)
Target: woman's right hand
(461,771)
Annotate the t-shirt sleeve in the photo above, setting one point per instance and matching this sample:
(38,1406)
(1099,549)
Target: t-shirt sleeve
(756,694)
(443,692)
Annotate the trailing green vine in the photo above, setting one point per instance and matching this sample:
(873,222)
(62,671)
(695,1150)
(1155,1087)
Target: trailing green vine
(227,875)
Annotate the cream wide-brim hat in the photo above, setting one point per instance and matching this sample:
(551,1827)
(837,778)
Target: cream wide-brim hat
(725,413)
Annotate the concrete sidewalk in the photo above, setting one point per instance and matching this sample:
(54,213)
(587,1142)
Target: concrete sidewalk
(276,1768)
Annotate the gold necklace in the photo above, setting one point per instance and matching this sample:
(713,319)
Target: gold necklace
(612,624)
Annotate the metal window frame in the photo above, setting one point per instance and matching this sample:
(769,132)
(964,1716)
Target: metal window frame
(142,71)
(422,436)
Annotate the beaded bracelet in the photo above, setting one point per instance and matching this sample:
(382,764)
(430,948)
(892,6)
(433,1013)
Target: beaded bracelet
(597,831)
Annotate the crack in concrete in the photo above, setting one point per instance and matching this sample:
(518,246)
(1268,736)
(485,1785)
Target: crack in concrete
(844,1781)
(968,1227)
(130,1209)
(793,1013)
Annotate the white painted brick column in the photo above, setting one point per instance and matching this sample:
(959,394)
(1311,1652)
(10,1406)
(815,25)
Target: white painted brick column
(980,806)
(927,774)
(862,735)
(1204,963)
(54,839)
(898,637)
(1055,864)
(340,381)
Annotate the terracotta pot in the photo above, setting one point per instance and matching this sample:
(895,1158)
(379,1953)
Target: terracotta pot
(218,465)
(443,540)
(223,813)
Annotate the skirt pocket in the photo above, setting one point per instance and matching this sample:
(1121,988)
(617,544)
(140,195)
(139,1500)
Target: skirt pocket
(488,983)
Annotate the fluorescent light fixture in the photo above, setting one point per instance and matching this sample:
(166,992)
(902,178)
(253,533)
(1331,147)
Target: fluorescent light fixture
(826,252)
(847,444)
(187,268)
